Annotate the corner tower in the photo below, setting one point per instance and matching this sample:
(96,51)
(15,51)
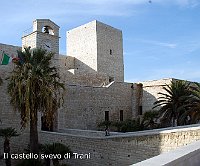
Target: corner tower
(45,34)
(97,48)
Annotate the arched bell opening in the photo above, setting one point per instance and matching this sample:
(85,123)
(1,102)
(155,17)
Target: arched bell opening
(48,30)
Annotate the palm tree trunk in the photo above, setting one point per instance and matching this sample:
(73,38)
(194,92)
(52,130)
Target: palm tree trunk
(7,150)
(33,133)
(55,162)
(47,162)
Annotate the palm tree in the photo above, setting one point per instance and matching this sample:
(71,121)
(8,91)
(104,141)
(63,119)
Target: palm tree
(173,103)
(7,133)
(148,121)
(193,111)
(34,85)
(55,148)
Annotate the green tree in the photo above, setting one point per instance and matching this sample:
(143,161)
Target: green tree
(34,85)
(148,120)
(7,133)
(192,114)
(173,102)
(55,148)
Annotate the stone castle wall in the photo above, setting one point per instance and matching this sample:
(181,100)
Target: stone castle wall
(10,50)
(110,51)
(82,44)
(150,92)
(72,76)
(7,116)
(85,106)
(98,49)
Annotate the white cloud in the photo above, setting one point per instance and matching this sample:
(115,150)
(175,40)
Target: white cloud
(159,43)
(179,73)
(188,3)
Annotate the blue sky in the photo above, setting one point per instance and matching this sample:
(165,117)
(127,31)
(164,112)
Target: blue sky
(161,39)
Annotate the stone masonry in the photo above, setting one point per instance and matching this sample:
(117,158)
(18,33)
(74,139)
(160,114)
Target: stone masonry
(98,49)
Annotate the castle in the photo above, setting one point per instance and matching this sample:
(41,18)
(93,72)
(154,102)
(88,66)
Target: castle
(93,73)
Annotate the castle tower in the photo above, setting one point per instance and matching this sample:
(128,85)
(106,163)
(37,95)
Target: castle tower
(97,47)
(45,34)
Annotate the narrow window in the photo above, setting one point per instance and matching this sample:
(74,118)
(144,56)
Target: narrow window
(111,79)
(121,115)
(140,110)
(106,115)
(110,52)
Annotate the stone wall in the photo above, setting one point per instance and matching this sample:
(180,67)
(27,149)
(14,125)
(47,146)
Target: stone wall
(7,116)
(124,150)
(82,44)
(150,92)
(188,155)
(38,24)
(85,106)
(38,38)
(97,48)
(29,40)
(73,76)
(9,49)
(110,51)
(118,149)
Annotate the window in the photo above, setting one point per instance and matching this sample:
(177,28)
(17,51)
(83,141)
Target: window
(121,115)
(140,110)
(110,52)
(106,115)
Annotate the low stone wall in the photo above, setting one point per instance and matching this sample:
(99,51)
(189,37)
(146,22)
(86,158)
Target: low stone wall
(126,149)
(187,155)
(88,133)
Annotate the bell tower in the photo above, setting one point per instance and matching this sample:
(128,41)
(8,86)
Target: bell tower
(45,34)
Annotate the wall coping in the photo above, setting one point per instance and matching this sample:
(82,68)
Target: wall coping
(174,157)
(130,134)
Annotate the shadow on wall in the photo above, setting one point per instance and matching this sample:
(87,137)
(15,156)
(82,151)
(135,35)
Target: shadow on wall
(76,72)
(148,101)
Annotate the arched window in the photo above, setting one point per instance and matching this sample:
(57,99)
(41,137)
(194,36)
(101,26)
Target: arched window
(48,30)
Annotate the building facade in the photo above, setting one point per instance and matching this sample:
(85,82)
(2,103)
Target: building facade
(93,73)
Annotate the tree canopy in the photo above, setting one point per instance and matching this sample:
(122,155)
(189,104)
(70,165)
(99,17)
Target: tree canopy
(34,85)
